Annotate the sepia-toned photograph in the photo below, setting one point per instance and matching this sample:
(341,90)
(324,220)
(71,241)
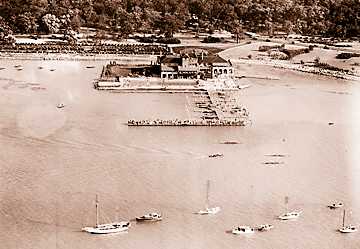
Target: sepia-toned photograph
(179,124)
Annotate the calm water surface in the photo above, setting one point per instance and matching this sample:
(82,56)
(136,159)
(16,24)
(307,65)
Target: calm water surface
(54,161)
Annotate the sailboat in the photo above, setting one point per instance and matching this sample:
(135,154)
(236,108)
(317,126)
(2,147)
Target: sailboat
(289,215)
(107,228)
(208,209)
(348,228)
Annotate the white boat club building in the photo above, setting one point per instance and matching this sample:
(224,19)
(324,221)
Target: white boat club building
(218,66)
(187,67)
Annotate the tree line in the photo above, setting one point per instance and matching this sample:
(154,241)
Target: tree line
(333,18)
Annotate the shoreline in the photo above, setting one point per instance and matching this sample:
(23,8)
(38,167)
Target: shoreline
(150,58)
(75,57)
(300,68)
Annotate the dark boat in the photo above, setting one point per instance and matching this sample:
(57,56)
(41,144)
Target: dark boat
(216,155)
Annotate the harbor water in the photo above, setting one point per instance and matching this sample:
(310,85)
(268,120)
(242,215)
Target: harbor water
(53,162)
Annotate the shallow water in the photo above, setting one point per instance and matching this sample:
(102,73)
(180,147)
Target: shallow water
(54,161)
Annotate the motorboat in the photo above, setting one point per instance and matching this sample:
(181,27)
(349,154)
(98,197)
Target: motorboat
(242,230)
(230,142)
(290,215)
(107,228)
(336,205)
(208,209)
(150,217)
(216,155)
(273,163)
(347,228)
(61,105)
(211,210)
(265,227)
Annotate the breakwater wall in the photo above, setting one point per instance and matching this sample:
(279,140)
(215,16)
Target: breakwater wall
(177,122)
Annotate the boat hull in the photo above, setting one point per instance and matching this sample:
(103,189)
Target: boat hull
(108,228)
(290,216)
(242,230)
(213,210)
(264,228)
(349,229)
(140,219)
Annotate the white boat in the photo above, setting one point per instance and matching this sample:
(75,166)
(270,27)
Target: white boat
(335,205)
(289,215)
(150,217)
(211,210)
(114,227)
(61,105)
(347,228)
(243,86)
(265,227)
(208,209)
(243,230)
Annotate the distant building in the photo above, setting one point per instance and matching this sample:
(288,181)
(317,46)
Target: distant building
(187,67)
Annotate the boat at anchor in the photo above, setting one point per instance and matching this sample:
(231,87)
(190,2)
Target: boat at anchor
(242,230)
(347,228)
(289,215)
(107,228)
(208,209)
(150,217)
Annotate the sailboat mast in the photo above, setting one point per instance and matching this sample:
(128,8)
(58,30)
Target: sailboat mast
(286,204)
(343,218)
(97,211)
(207,193)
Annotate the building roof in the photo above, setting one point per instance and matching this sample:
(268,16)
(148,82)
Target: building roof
(170,59)
(165,68)
(213,59)
(188,69)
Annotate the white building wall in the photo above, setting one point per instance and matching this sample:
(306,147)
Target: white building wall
(223,71)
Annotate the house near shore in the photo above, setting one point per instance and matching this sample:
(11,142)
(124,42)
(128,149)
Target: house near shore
(188,67)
